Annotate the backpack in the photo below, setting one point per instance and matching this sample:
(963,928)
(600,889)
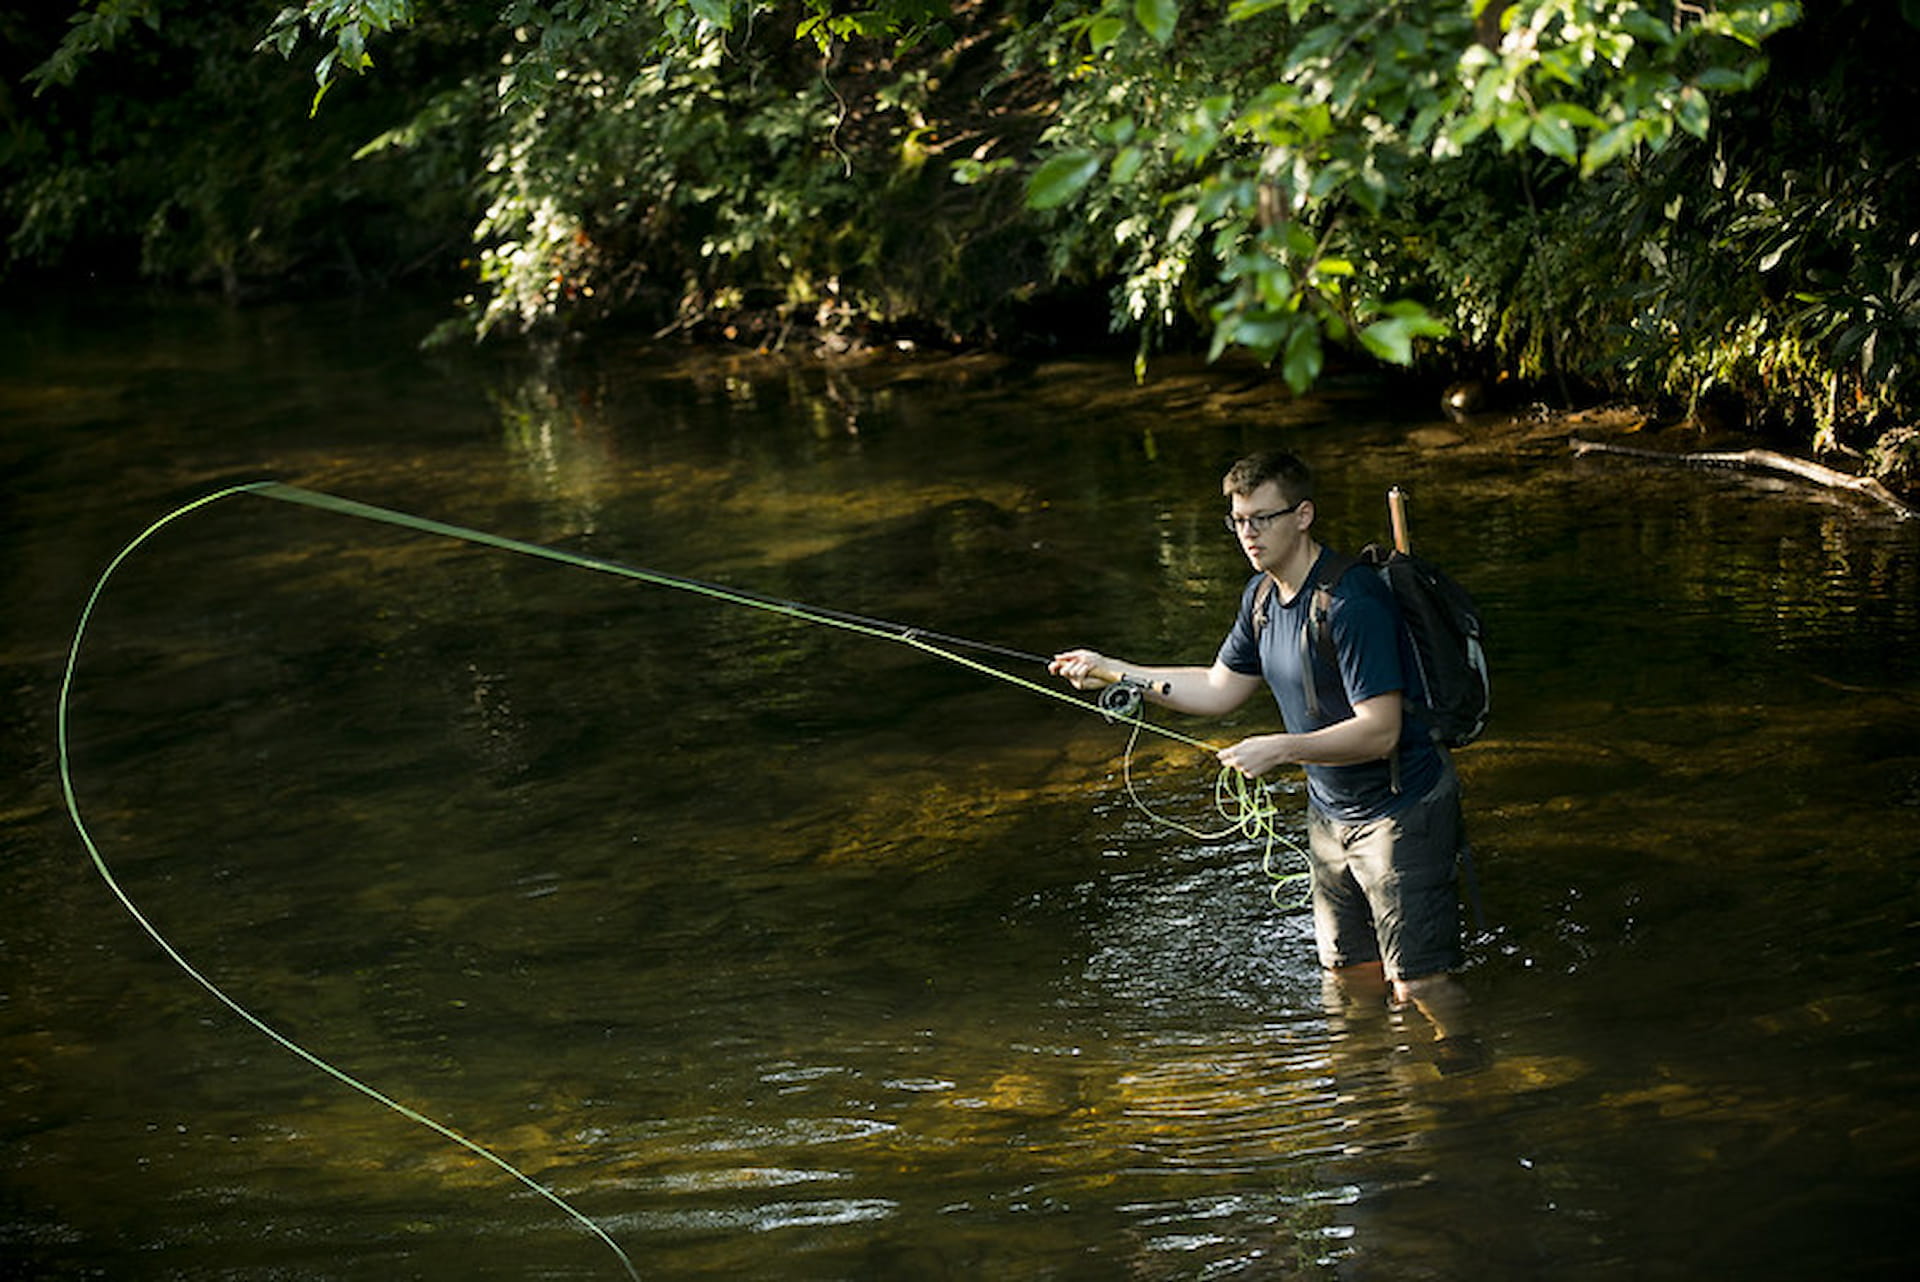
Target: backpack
(1441,619)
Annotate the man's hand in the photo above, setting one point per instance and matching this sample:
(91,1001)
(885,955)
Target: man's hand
(1083,669)
(1370,734)
(1254,757)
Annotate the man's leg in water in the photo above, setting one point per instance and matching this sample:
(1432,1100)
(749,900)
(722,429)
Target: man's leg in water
(1364,984)
(1441,998)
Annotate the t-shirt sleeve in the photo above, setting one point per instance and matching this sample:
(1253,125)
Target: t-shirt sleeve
(1240,652)
(1366,633)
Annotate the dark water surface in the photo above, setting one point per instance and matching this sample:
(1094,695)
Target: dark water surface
(783,952)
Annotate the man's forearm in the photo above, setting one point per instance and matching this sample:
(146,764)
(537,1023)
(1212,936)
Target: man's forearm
(1198,691)
(1369,735)
(1191,690)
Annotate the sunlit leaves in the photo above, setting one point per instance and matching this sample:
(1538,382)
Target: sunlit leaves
(1350,98)
(1588,81)
(823,28)
(1391,337)
(348,24)
(1226,165)
(1061,178)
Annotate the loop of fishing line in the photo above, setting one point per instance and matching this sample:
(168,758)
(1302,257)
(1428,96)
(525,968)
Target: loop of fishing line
(1246,806)
(286,1043)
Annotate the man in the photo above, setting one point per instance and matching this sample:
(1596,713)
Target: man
(1383,800)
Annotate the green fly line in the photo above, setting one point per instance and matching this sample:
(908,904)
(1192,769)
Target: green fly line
(1247,807)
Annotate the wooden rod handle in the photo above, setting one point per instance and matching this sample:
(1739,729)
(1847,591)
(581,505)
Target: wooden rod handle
(1397,510)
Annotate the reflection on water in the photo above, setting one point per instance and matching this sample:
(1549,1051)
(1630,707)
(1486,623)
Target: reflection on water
(782,951)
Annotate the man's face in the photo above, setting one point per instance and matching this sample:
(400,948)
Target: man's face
(1276,529)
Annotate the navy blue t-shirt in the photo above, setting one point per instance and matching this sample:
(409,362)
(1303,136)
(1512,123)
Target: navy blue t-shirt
(1374,657)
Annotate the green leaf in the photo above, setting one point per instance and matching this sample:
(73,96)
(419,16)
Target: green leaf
(1274,283)
(1462,132)
(1693,114)
(1573,114)
(1262,331)
(1646,28)
(1513,125)
(1158,17)
(1608,147)
(1391,337)
(1297,240)
(1061,178)
(1302,363)
(1721,80)
(1555,136)
(1389,340)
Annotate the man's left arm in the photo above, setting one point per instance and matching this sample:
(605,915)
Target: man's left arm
(1370,734)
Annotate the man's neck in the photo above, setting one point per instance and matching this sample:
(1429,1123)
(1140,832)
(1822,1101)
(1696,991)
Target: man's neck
(1292,576)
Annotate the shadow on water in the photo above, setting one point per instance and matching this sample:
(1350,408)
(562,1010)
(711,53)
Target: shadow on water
(782,951)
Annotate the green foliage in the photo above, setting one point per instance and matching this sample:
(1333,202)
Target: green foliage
(1764,266)
(156,140)
(600,182)
(1631,197)
(1239,169)
(686,167)
(351,25)
(91,30)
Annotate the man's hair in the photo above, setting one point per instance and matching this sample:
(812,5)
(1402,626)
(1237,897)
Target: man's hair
(1285,469)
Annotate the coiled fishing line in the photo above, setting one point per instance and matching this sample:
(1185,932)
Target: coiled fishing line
(1246,804)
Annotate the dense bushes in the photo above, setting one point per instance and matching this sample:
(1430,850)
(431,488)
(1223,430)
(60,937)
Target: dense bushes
(1593,197)
(179,153)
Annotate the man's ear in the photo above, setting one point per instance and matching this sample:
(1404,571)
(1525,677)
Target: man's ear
(1304,513)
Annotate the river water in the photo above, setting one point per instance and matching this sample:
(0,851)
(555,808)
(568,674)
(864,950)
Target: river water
(781,951)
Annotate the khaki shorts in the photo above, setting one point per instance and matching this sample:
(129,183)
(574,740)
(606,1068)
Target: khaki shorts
(1385,890)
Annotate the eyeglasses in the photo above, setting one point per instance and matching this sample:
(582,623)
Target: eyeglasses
(1257,521)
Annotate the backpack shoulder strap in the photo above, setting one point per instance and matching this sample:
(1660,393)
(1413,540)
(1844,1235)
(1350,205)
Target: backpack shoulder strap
(1262,604)
(1319,628)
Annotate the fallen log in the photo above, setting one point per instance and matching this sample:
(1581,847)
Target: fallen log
(1760,461)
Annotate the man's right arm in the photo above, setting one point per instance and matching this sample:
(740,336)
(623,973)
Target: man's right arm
(1201,692)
